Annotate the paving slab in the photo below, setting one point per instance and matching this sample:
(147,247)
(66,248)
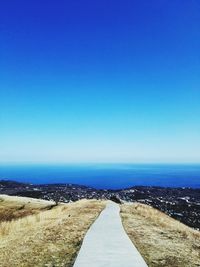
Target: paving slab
(106,243)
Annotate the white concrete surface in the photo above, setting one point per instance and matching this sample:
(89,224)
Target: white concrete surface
(106,244)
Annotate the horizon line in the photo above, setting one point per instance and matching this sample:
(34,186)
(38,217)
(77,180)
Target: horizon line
(100,163)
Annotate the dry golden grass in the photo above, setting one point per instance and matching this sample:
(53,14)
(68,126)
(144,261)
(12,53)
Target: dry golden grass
(163,241)
(12,207)
(50,238)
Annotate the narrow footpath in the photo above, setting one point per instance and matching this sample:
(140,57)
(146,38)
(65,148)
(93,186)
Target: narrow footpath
(106,243)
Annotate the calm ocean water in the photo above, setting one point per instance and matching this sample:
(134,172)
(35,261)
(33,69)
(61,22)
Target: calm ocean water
(106,175)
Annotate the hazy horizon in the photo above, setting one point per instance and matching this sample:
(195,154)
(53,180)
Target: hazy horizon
(103,176)
(95,163)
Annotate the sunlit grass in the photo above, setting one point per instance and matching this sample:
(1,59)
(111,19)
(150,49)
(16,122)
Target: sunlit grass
(161,240)
(48,238)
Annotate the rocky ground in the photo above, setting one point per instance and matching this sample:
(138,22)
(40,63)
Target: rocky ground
(182,204)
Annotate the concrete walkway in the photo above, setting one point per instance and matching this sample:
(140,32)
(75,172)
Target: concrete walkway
(106,244)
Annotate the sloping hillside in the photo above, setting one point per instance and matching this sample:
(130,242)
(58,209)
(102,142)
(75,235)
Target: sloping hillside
(162,241)
(49,238)
(12,207)
(36,233)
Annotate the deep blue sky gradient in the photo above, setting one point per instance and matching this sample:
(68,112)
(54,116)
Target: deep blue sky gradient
(100,81)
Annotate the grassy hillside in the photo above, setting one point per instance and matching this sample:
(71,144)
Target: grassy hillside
(48,238)
(161,240)
(35,233)
(12,207)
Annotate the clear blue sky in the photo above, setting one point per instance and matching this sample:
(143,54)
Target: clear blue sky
(100,81)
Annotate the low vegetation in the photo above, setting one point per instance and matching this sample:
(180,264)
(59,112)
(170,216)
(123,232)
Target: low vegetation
(37,233)
(48,238)
(12,207)
(161,240)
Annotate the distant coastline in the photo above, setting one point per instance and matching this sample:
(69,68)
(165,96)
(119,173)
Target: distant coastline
(105,176)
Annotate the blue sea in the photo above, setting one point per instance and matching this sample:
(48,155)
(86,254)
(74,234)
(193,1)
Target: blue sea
(106,176)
